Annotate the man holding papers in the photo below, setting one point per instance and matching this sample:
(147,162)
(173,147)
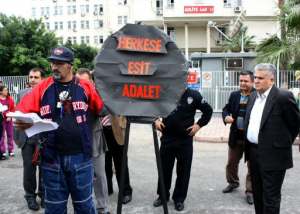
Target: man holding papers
(66,154)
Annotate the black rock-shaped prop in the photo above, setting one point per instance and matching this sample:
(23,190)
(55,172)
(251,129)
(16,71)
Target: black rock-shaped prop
(140,72)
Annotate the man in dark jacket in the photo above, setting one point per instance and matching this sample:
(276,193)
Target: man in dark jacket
(234,114)
(178,130)
(29,146)
(272,123)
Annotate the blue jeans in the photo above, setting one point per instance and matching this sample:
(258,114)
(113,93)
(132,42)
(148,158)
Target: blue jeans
(68,175)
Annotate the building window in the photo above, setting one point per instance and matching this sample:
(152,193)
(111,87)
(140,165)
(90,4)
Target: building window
(69,25)
(122,2)
(96,39)
(45,11)
(87,40)
(170,3)
(71,9)
(159,6)
(61,25)
(33,12)
(74,41)
(74,25)
(232,3)
(82,39)
(69,39)
(125,19)
(171,33)
(98,9)
(101,39)
(55,25)
(98,24)
(84,9)
(58,10)
(85,24)
(47,25)
(119,20)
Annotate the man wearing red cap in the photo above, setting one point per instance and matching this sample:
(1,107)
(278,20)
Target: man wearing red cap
(67,167)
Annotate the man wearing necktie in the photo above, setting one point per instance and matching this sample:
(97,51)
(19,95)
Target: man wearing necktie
(272,123)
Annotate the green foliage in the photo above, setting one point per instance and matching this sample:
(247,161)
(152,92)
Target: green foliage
(23,44)
(286,48)
(235,44)
(84,55)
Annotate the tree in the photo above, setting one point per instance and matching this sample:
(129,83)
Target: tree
(235,43)
(24,44)
(285,48)
(84,55)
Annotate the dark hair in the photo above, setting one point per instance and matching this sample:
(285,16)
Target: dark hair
(2,87)
(247,72)
(37,69)
(87,71)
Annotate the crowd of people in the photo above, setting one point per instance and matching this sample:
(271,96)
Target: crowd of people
(77,159)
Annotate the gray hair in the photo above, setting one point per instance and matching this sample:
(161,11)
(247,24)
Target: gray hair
(266,67)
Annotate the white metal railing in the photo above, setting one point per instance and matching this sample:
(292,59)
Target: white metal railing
(14,84)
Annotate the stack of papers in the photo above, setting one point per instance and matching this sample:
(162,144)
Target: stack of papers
(39,125)
(3,108)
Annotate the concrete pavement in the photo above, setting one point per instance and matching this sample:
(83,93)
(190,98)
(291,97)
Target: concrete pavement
(206,184)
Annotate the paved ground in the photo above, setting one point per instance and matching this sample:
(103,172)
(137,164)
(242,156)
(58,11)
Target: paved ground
(207,181)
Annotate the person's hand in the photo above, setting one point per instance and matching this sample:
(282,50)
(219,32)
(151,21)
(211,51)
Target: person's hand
(228,119)
(159,125)
(20,125)
(193,129)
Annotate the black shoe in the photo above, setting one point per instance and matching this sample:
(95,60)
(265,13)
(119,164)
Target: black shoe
(126,199)
(158,202)
(42,203)
(249,198)
(230,188)
(179,206)
(101,211)
(32,204)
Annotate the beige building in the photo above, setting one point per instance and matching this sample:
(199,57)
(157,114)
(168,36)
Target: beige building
(191,22)
(194,25)
(82,21)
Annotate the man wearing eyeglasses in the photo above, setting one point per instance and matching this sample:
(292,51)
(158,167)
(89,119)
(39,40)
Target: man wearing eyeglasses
(66,154)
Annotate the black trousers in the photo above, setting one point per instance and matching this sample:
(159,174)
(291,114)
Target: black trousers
(29,173)
(115,154)
(182,151)
(266,185)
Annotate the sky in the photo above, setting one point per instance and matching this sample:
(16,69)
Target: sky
(16,7)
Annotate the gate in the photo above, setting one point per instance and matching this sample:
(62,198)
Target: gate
(14,84)
(216,86)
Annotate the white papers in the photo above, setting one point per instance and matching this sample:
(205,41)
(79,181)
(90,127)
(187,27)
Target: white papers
(3,108)
(39,125)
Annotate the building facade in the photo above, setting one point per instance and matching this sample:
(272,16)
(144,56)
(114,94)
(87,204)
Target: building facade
(81,21)
(195,25)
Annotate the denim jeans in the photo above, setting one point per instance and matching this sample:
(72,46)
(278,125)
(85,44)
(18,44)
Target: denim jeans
(68,175)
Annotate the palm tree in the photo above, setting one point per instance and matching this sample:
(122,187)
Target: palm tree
(235,44)
(284,49)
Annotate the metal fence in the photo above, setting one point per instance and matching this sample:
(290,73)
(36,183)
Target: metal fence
(14,84)
(216,86)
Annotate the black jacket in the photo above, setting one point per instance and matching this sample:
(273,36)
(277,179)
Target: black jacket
(279,127)
(183,116)
(232,109)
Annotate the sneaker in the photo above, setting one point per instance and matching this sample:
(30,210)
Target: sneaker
(32,204)
(12,154)
(101,211)
(230,187)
